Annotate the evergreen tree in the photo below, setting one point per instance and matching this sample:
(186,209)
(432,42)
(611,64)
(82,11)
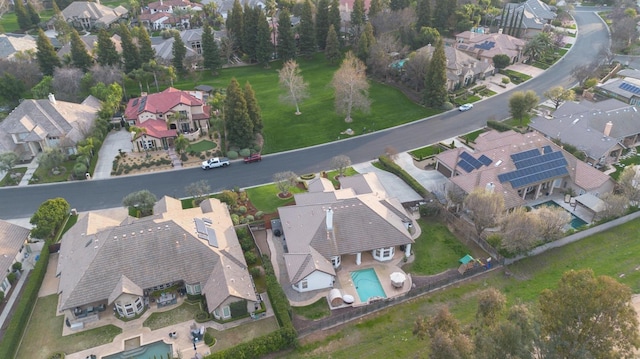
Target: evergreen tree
(24,21)
(358,18)
(235,25)
(238,123)
(423,13)
(334,18)
(253,108)
(367,39)
(210,50)
(179,52)
(375,7)
(107,55)
(80,58)
(33,14)
(147,53)
(46,54)
(322,23)
(307,32)
(332,50)
(397,5)
(435,79)
(130,53)
(286,41)
(250,31)
(264,47)
(441,16)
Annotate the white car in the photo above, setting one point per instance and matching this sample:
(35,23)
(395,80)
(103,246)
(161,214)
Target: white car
(465,107)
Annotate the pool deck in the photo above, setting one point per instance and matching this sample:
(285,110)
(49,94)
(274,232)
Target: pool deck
(579,211)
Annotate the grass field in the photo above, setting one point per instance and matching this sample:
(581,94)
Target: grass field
(265,198)
(201,146)
(185,312)
(317,310)
(388,334)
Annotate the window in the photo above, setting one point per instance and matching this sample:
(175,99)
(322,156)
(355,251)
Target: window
(139,304)
(335,260)
(226,312)
(304,284)
(216,313)
(193,289)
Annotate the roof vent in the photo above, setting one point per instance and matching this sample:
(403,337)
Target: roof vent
(329,220)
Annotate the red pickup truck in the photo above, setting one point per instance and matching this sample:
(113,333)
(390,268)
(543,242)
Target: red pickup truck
(256,157)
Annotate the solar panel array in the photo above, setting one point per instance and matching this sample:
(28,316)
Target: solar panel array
(487,45)
(143,102)
(547,149)
(629,87)
(533,168)
(205,232)
(470,163)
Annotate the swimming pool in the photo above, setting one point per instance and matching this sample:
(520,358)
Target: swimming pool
(155,350)
(575,223)
(367,284)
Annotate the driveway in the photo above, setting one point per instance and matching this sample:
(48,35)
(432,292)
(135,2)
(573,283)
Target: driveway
(394,186)
(115,141)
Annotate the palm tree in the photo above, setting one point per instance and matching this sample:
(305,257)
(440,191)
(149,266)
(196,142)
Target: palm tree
(181,143)
(538,46)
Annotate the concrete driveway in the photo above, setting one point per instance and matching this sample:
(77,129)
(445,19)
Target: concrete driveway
(115,141)
(394,186)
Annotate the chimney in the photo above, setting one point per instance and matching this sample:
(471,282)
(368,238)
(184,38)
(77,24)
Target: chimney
(329,220)
(143,93)
(607,128)
(52,98)
(490,187)
(499,31)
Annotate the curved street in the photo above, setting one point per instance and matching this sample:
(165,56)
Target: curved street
(21,202)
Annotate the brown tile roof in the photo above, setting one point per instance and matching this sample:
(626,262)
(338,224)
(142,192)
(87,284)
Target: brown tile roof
(159,103)
(12,238)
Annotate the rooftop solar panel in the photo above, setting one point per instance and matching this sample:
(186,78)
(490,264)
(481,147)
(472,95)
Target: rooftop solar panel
(629,87)
(547,149)
(465,166)
(485,160)
(211,237)
(525,154)
(472,161)
(532,161)
(200,226)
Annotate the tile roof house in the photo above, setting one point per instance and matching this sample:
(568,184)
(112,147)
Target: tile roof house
(106,261)
(600,129)
(536,15)
(462,69)
(164,50)
(326,225)
(10,44)
(36,125)
(87,15)
(486,46)
(163,14)
(521,167)
(90,43)
(12,250)
(625,89)
(165,113)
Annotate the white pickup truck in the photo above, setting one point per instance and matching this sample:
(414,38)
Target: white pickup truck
(215,162)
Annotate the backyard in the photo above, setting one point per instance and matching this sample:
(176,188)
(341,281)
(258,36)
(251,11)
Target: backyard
(185,312)
(614,253)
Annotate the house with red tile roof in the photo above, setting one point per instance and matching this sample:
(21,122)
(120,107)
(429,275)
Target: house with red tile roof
(161,14)
(522,167)
(163,115)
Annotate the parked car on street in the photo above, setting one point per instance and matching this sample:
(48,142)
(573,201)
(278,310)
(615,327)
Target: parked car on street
(256,157)
(215,162)
(465,107)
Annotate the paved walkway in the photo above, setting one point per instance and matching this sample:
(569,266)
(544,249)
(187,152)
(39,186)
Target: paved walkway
(31,169)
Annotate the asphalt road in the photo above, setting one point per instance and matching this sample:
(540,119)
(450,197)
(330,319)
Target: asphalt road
(21,202)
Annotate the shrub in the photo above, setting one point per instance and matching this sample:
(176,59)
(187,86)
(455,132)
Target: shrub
(498,126)
(11,277)
(202,157)
(229,197)
(447,106)
(308,176)
(245,152)
(250,257)
(590,83)
(232,155)
(505,80)
(202,317)
(245,239)
(79,169)
(238,309)
(249,218)
(241,209)
(17,266)
(255,272)
(259,215)
(184,157)
(209,339)
(1,296)
(495,240)
(390,166)
(56,356)
(235,219)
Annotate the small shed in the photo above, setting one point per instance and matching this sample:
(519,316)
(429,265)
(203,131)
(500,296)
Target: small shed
(467,262)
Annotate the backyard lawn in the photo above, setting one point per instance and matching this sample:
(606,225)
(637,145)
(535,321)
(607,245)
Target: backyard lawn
(614,253)
(233,336)
(43,335)
(186,311)
(265,198)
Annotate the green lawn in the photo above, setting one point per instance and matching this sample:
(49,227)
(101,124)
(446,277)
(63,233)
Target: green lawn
(7,181)
(9,21)
(265,198)
(436,250)
(319,123)
(471,137)
(614,253)
(424,152)
(233,336)
(186,311)
(317,310)
(45,176)
(43,335)
(201,146)
(331,175)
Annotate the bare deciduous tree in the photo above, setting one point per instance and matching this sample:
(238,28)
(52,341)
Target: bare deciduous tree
(380,54)
(519,231)
(284,181)
(198,191)
(615,205)
(351,87)
(551,221)
(391,152)
(106,74)
(340,163)
(455,196)
(629,182)
(292,82)
(385,22)
(67,83)
(415,68)
(7,161)
(485,208)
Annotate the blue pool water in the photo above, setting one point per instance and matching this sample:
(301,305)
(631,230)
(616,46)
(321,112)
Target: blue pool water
(156,350)
(575,221)
(367,284)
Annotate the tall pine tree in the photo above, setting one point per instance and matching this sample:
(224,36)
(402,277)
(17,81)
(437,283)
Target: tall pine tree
(332,50)
(235,24)
(238,123)
(210,50)
(286,41)
(264,47)
(306,30)
(253,108)
(33,14)
(435,79)
(397,5)
(250,31)
(367,39)
(147,53)
(80,58)
(358,18)
(179,53)
(423,13)
(106,52)
(375,7)
(335,19)
(130,52)
(46,54)
(24,21)
(322,23)
(441,16)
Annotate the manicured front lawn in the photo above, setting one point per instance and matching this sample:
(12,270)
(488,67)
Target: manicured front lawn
(613,253)
(201,146)
(265,198)
(436,250)
(186,311)
(8,181)
(424,152)
(471,137)
(43,175)
(43,335)
(331,175)
(317,310)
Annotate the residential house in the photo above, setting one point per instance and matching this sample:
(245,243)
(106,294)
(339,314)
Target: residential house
(485,46)
(123,262)
(462,69)
(626,89)
(12,249)
(90,43)
(165,113)
(86,15)
(12,44)
(327,225)
(224,6)
(164,50)
(601,130)
(36,125)
(167,14)
(530,17)
(521,167)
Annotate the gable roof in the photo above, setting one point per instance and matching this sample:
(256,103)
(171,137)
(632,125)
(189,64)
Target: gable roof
(90,42)
(489,45)
(93,10)
(159,103)
(98,262)
(156,129)
(12,238)
(459,63)
(12,43)
(536,13)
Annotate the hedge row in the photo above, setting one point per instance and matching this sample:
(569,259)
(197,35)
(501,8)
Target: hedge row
(13,334)
(499,126)
(392,167)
